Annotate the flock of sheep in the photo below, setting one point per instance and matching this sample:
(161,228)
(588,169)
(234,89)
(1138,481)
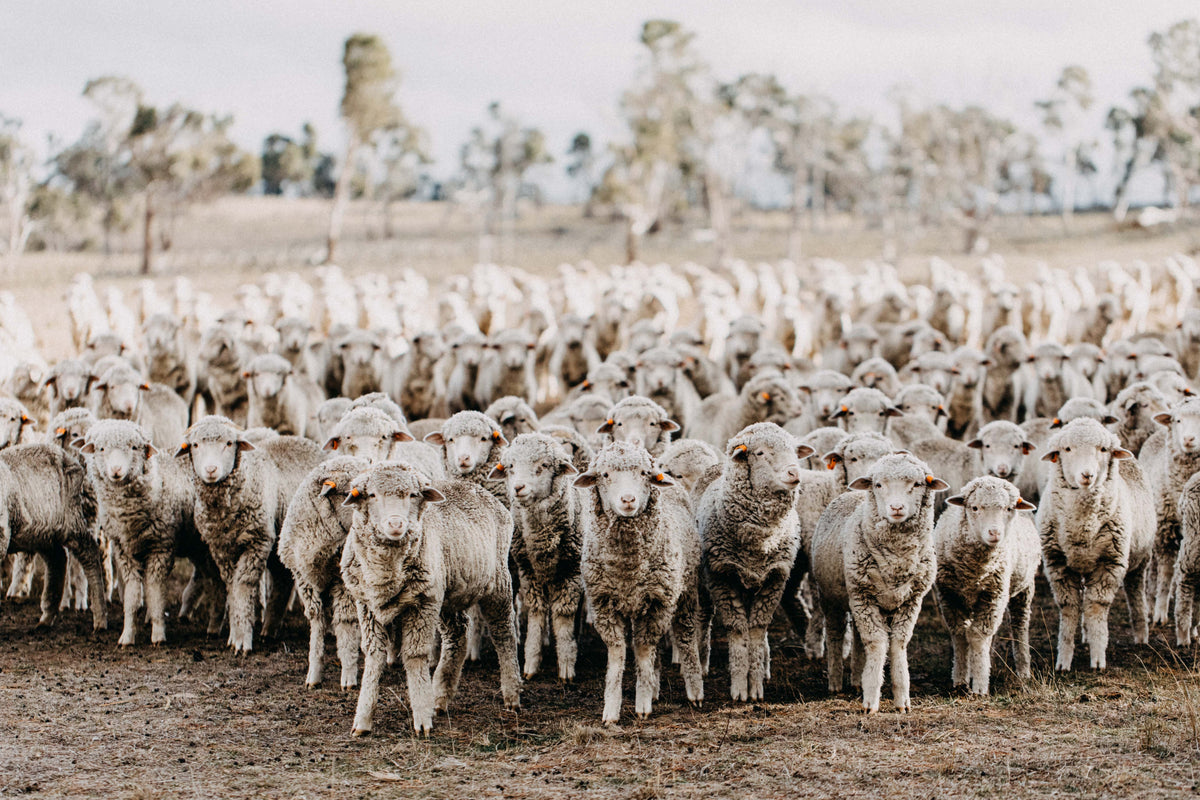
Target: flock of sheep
(643,451)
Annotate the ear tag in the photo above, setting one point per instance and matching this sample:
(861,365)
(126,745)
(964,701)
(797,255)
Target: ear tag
(354,492)
(495,434)
(831,463)
(659,477)
(330,484)
(928,479)
(766,396)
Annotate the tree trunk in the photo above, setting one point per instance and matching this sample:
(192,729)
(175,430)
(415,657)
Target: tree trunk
(1121,204)
(341,198)
(148,238)
(795,250)
(718,215)
(633,242)
(1068,200)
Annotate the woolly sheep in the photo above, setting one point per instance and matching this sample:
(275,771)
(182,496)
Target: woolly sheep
(547,543)
(310,545)
(575,443)
(168,358)
(466,354)
(1053,381)
(873,556)
(1135,408)
(1096,522)
(508,369)
(640,566)
(329,413)
(124,394)
(605,379)
(864,411)
(584,414)
(13,421)
(688,462)
(419,393)
(749,529)
(876,373)
(823,392)
(767,397)
(987,553)
(279,397)
(359,353)
(963,402)
(745,334)
(1187,563)
(639,421)
(821,440)
(514,415)
(574,356)
(420,554)
(470,444)
(372,435)
(222,358)
(934,369)
(1003,383)
(923,407)
(661,377)
(68,384)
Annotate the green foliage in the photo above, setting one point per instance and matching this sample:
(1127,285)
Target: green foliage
(368,101)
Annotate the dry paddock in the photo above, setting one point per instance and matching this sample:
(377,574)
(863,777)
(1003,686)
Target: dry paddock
(83,718)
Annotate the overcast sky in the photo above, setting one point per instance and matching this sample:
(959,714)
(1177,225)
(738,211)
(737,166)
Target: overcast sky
(558,64)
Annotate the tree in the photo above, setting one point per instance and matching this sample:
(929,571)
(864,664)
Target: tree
(284,164)
(581,166)
(368,108)
(394,173)
(1063,116)
(16,187)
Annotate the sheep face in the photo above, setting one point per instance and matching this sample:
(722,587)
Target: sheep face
(293,334)
(467,443)
(119,451)
(392,498)
(214,450)
(70,380)
(514,415)
(160,333)
(530,465)
(358,349)
(858,455)
(610,380)
(338,474)
(898,485)
(468,350)
(12,419)
(640,424)
(587,415)
(935,370)
(69,429)
(1085,453)
(267,374)
(218,346)
(1002,450)
(514,350)
(123,388)
(772,456)
(623,477)
(572,331)
(921,401)
(105,344)
(865,411)
(774,398)
(366,433)
(990,505)
(1183,422)
(859,345)
(428,345)
(1048,361)
(825,396)
(657,372)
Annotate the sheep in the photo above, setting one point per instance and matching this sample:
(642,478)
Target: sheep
(873,556)
(865,411)
(70,425)
(168,360)
(640,421)
(749,530)
(934,369)
(1054,381)
(372,435)
(644,335)
(329,413)
(419,394)
(768,357)
(310,546)
(876,373)
(222,358)
(14,419)
(514,415)
(67,384)
(745,334)
(1003,448)
(856,346)
(470,444)
(420,554)
(575,443)
(1086,359)
(821,440)
(1169,457)
(1188,343)
(604,379)
(767,397)
(640,565)
(661,377)
(823,393)
(1113,375)
(1003,383)
(688,462)
(358,352)
(923,407)
(987,554)
(963,402)
(293,343)
(1135,408)
(242,491)
(547,543)
(704,373)
(51,509)
(1187,563)
(122,393)
(466,353)
(280,397)
(382,402)
(1096,522)
(1174,387)
(148,505)
(508,369)
(584,414)
(574,356)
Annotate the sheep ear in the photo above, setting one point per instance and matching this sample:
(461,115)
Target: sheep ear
(585,480)
(183,450)
(841,412)
(805,389)
(1109,419)
(498,438)
(661,479)
(957,500)
(738,452)
(607,427)
(327,487)
(352,497)
(986,362)
(88,448)
(861,484)
(804,451)
(245,446)
(893,412)
(150,451)
(1056,423)
(1120,453)
(1028,447)
(51,381)
(1025,505)
(402,436)
(669,425)
(508,419)
(569,469)
(832,460)
(1052,456)
(497,473)
(975,444)
(332,443)
(1163,418)
(936,484)
(432,495)
(435,438)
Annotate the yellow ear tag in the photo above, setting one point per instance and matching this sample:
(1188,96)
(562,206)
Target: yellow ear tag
(608,422)
(831,463)
(928,479)
(765,396)
(184,446)
(741,447)
(499,468)
(354,492)
(1055,421)
(495,434)
(59,431)
(844,408)
(659,477)
(585,384)
(330,484)
(1054,458)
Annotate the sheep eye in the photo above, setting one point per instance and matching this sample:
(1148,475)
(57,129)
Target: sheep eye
(1066,449)
(974,508)
(619,424)
(854,461)
(1103,449)
(878,485)
(603,474)
(483,438)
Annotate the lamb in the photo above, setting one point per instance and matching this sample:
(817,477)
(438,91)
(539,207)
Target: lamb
(372,435)
(688,462)
(749,530)
(280,397)
(13,421)
(1187,563)
(640,565)
(420,554)
(876,373)
(1135,408)
(584,414)
(514,415)
(824,391)
(466,353)
(1096,522)
(934,369)
(242,492)
(1003,388)
(222,358)
(821,440)
(575,443)
(122,393)
(547,543)
(1169,458)
(310,545)
(68,384)
(745,333)
(987,554)
(148,505)
(873,556)
(640,421)
(508,369)
(767,397)
(604,379)
(963,403)
(865,411)
(1003,450)
(923,407)
(50,509)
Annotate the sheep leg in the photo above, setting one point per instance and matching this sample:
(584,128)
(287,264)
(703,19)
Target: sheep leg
(56,572)
(904,619)
(814,636)
(648,631)
(314,612)
(281,590)
(1067,588)
(501,620)
(375,644)
(979,662)
(835,623)
(762,609)
(158,569)
(21,583)
(474,634)
(1098,596)
(1185,606)
(131,601)
(191,594)
(242,590)
(1019,613)
(733,613)
(874,633)
(345,629)
(453,628)
(218,604)
(958,649)
(1165,554)
(612,632)
(858,656)
(535,623)
(87,551)
(1135,601)
(687,631)
(564,607)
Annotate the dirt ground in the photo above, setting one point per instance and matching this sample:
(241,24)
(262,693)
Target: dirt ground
(188,719)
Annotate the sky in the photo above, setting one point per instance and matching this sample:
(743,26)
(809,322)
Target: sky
(556,64)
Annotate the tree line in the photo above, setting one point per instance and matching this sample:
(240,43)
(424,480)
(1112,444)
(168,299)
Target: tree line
(690,139)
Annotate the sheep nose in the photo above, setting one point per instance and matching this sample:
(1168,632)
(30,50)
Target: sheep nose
(395,523)
(519,489)
(1002,471)
(896,509)
(1086,477)
(210,470)
(1189,441)
(464,462)
(117,472)
(628,499)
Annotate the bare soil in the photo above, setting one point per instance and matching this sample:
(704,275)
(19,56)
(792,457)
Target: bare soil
(188,719)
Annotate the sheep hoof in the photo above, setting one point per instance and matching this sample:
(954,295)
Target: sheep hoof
(643,715)
(697,703)
(528,675)
(311,684)
(359,732)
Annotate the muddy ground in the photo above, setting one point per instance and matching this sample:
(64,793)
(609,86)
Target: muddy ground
(188,719)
